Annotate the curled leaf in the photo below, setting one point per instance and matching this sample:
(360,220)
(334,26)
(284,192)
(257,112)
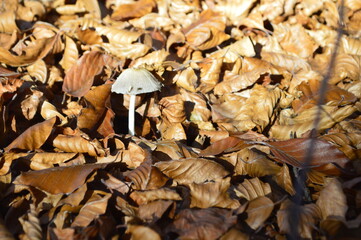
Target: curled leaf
(78,144)
(191,170)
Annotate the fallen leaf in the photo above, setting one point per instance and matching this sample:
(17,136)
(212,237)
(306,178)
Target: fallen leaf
(192,170)
(80,77)
(96,206)
(209,223)
(252,188)
(258,210)
(58,179)
(33,137)
(332,200)
(133,10)
(78,144)
(294,152)
(212,194)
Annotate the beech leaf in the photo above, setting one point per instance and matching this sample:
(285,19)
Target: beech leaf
(58,179)
(33,137)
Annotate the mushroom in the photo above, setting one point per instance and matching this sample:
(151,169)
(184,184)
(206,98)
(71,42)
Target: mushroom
(135,81)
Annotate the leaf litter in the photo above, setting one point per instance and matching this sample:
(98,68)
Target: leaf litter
(216,153)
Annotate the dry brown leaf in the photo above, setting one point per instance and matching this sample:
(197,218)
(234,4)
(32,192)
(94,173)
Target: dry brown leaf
(232,52)
(348,143)
(78,144)
(252,163)
(210,73)
(126,51)
(310,214)
(153,59)
(70,55)
(94,207)
(90,116)
(284,180)
(335,96)
(226,145)
(172,109)
(332,200)
(38,71)
(147,177)
(116,184)
(134,155)
(139,232)
(191,170)
(252,188)
(212,194)
(172,131)
(294,152)
(296,126)
(33,137)
(31,224)
(36,50)
(80,77)
(118,36)
(59,179)
(209,223)
(346,66)
(133,10)
(106,126)
(49,111)
(239,79)
(186,79)
(234,234)
(195,106)
(31,102)
(258,210)
(7,159)
(236,11)
(48,159)
(207,32)
(153,211)
(144,197)
(258,108)
(295,40)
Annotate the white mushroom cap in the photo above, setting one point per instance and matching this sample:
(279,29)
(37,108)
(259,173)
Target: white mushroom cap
(135,81)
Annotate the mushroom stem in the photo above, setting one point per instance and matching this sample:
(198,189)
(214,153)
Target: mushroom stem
(131,115)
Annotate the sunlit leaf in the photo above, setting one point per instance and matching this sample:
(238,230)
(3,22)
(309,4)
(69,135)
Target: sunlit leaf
(59,179)
(70,55)
(95,109)
(143,197)
(133,10)
(142,232)
(147,177)
(34,51)
(207,32)
(78,144)
(252,188)
(80,77)
(332,200)
(258,210)
(212,194)
(191,170)
(34,137)
(96,206)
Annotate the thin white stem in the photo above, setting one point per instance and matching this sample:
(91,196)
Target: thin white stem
(131,118)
